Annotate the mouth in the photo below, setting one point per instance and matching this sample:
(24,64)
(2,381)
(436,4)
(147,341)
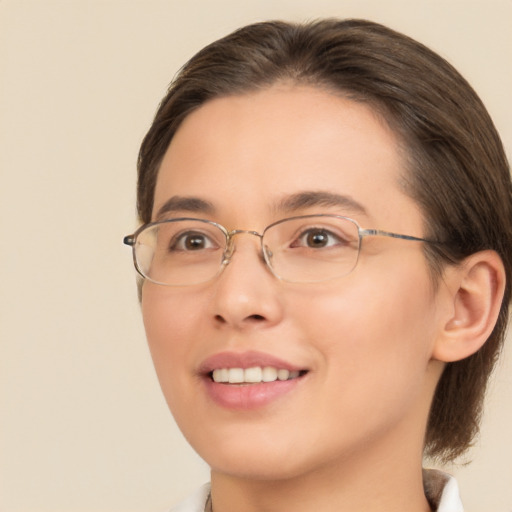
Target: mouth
(249,380)
(254,375)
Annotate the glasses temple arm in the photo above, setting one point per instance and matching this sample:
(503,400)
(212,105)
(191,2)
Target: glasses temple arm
(379,232)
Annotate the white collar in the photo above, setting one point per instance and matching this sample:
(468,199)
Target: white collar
(442,491)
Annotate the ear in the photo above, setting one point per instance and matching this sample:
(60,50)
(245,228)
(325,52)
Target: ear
(474,293)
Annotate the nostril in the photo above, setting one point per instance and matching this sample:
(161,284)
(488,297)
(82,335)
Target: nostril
(257,318)
(251,318)
(220,319)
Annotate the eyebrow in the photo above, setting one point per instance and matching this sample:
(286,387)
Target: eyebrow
(289,204)
(185,204)
(310,199)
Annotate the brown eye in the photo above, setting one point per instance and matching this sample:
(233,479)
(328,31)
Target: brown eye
(316,239)
(194,242)
(191,242)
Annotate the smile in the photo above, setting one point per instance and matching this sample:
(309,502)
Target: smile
(253,375)
(250,380)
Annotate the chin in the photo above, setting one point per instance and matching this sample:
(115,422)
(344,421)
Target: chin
(249,455)
(265,457)
(258,468)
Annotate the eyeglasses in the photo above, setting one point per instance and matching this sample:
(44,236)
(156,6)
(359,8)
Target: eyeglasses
(304,249)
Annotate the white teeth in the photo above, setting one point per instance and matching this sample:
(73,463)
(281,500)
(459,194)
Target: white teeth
(269,374)
(236,375)
(252,375)
(283,374)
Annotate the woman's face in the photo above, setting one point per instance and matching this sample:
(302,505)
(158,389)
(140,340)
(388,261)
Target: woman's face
(362,343)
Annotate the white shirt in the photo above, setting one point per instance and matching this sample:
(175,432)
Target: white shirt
(441,491)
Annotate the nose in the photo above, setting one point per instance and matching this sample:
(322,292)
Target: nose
(247,294)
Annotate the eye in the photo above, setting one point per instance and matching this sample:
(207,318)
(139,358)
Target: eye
(191,241)
(318,238)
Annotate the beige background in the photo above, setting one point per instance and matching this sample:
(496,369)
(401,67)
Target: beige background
(83,426)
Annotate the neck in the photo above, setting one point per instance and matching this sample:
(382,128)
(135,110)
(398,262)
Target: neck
(380,483)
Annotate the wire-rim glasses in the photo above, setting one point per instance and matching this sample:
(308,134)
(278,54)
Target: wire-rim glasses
(303,249)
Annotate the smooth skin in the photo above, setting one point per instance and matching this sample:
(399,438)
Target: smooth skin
(349,435)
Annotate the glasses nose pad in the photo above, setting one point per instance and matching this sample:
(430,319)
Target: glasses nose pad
(228,252)
(268,254)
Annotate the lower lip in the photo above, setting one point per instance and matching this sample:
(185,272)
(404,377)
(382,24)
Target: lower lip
(249,396)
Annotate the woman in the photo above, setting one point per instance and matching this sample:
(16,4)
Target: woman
(326,258)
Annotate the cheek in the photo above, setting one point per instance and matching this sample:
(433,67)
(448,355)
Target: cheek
(169,320)
(375,338)
(368,313)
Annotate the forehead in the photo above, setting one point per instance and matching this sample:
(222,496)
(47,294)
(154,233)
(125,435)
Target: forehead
(250,152)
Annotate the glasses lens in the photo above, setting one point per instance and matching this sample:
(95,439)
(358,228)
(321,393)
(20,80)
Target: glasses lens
(312,248)
(180,252)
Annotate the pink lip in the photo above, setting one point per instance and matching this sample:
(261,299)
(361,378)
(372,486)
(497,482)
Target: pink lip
(246,396)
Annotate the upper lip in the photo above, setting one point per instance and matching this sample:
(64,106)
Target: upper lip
(245,360)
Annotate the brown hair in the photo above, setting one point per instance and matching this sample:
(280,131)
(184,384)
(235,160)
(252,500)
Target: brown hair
(458,172)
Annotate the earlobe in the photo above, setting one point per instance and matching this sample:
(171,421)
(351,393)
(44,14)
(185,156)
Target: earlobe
(475,290)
